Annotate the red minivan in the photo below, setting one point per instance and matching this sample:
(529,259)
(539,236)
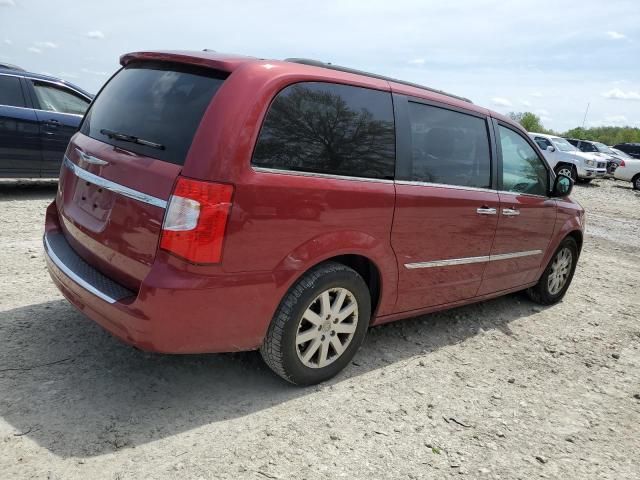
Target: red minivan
(214,203)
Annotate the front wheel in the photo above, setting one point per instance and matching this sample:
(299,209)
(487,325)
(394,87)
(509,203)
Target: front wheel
(319,325)
(567,171)
(556,278)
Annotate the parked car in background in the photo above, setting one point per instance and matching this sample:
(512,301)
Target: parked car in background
(38,116)
(566,159)
(599,149)
(632,149)
(629,170)
(621,154)
(294,204)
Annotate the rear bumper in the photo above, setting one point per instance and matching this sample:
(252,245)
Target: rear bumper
(175,311)
(622,173)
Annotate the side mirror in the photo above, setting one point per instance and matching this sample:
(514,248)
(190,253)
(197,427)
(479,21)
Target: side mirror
(562,186)
(551,148)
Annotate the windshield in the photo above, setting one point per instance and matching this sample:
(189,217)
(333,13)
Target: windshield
(620,153)
(602,148)
(562,145)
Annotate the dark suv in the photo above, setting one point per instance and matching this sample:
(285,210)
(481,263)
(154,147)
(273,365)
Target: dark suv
(632,149)
(38,116)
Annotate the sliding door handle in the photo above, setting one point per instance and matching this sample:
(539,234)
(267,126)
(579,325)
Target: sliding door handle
(510,212)
(486,211)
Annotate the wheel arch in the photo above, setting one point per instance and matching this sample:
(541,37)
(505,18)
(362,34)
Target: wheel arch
(371,257)
(563,163)
(368,270)
(578,236)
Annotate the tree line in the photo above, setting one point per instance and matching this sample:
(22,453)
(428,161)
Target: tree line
(609,135)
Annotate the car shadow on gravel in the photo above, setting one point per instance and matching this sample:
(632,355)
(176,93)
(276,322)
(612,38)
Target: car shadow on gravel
(627,187)
(78,392)
(28,189)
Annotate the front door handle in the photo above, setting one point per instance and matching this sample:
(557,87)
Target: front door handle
(510,212)
(486,211)
(53,123)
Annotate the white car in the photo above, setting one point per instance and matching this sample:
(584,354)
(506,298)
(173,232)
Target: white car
(629,170)
(567,160)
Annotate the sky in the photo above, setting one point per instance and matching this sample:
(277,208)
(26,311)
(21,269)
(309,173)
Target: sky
(549,57)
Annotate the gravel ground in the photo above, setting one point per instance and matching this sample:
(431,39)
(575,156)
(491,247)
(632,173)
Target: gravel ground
(502,389)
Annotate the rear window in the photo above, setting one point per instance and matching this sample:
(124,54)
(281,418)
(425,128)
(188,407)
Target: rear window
(153,109)
(329,128)
(11,92)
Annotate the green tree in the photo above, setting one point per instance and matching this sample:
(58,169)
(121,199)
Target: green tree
(608,135)
(529,121)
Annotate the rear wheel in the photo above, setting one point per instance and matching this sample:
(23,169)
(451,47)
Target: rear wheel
(319,325)
(555,280)
(636,182)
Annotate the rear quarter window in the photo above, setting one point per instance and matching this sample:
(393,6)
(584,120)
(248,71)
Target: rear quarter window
(160,103)
(11,92)
(329,128)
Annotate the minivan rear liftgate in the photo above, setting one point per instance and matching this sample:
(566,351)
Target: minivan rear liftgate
(122,167)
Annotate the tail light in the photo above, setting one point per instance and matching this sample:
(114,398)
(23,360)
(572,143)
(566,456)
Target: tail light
(621,164)
(196,219)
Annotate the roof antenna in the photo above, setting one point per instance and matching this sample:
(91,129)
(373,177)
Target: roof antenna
(585,114)
(208,50)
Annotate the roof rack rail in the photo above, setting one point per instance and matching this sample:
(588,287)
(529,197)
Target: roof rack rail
(316,63)
(9,66)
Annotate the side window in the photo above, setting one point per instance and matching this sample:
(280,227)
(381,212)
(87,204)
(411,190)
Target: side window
(329,128)
(11,92)
(543,143)
(522,170)
(449,147)
(56,99)
(587,147)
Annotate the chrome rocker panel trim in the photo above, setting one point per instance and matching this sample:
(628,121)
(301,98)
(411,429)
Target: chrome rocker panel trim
(468,260)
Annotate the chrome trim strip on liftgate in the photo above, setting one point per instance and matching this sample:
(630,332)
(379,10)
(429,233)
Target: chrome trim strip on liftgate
(467,260)
(113,186)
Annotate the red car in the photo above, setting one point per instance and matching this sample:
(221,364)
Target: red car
(214,203)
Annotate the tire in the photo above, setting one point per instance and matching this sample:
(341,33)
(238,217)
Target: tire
(294,347)
(546,292)
(635,181)
(567,169)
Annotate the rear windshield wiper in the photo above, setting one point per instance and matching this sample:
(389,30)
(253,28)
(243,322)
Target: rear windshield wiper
(131,138)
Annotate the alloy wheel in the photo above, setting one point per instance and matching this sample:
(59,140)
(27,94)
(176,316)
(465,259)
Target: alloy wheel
(560,271)
(566,171)
(327,327)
